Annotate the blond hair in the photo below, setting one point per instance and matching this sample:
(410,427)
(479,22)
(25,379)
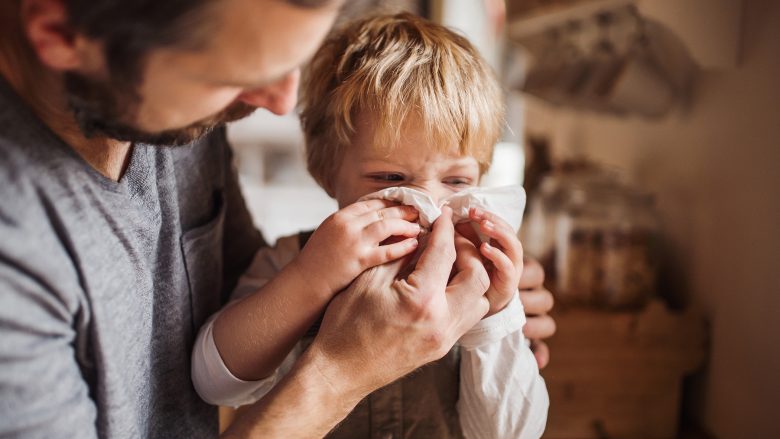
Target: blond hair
(394,67)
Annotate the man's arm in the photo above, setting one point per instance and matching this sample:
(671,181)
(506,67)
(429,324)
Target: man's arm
(42,392)
(303,405)
(376,331)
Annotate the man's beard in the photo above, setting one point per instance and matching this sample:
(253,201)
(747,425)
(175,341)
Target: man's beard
(100,109)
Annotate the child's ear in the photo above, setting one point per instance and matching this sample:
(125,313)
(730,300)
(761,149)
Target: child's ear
(56,43)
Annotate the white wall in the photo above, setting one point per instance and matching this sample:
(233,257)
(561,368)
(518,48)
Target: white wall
(715,169)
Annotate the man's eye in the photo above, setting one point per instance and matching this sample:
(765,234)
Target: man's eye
(387,177)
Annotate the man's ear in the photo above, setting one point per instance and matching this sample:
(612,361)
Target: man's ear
(51,36)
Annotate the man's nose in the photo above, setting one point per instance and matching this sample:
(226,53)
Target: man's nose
(278,98)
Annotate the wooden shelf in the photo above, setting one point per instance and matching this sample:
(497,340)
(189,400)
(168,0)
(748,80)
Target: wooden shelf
(709,29)
(619,375)
(532,21)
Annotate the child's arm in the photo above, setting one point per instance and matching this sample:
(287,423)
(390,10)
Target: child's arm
(212,379)
(501,391)
(254,334)
(502,394)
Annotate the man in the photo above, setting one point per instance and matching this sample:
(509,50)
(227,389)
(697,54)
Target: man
(112,244)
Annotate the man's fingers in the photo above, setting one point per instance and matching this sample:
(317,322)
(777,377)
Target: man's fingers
(466,291)
(541,353)
(536,302)
(466,297)
(435,263)
(466,252)
(469,232)
(387,273)
(533,275)
(539,327)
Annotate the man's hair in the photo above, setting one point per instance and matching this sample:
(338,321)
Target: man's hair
(129,29)
(397,68)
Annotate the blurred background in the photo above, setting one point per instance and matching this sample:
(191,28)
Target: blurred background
(646,133)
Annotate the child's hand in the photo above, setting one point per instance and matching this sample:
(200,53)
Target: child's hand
(348,243)
(505,255)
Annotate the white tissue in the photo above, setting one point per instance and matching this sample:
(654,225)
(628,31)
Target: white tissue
(507,202)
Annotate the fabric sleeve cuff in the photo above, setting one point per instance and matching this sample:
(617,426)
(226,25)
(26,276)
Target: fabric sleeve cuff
(494,328)
(213,380)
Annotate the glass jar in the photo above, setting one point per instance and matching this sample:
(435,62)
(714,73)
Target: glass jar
(630,256)
(605,248)
(539,234)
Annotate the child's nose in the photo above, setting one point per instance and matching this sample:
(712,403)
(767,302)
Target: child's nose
(278,98)
(434,190)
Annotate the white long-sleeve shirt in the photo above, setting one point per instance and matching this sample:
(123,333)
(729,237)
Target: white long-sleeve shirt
(501,393)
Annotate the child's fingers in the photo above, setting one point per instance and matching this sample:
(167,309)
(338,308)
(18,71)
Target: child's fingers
(503,282)
(380,230)
(380,212)
(480,216)
(390,252)
(505,268)
(506,242)
(362,207)
(504,235)
(407,213)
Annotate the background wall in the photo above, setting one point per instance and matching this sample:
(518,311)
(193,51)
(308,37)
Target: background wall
(714,168)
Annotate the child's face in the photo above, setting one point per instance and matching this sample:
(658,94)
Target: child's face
(411,163)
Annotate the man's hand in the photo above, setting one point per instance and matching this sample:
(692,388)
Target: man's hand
(383,327)
(351,241)
(537,302)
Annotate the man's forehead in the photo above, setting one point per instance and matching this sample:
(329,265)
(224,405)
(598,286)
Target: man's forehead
(257,44)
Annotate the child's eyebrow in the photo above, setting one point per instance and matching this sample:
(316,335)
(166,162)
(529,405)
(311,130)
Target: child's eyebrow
(465,162)
(378,161)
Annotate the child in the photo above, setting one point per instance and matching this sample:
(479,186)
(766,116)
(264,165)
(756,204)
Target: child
(389,101)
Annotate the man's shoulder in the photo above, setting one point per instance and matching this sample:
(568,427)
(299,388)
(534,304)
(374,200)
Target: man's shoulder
(17,185)
(36,173)
(33,259)
(25,173)
(31,155)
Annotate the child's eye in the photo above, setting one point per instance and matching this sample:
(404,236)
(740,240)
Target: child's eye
(458,181)
(387,177)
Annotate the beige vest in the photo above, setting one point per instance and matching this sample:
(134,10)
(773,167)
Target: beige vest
(421,405)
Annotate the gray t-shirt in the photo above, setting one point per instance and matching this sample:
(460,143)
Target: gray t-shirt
(103,284)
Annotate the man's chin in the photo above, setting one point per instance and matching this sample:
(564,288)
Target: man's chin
(175,137)
(104,110)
